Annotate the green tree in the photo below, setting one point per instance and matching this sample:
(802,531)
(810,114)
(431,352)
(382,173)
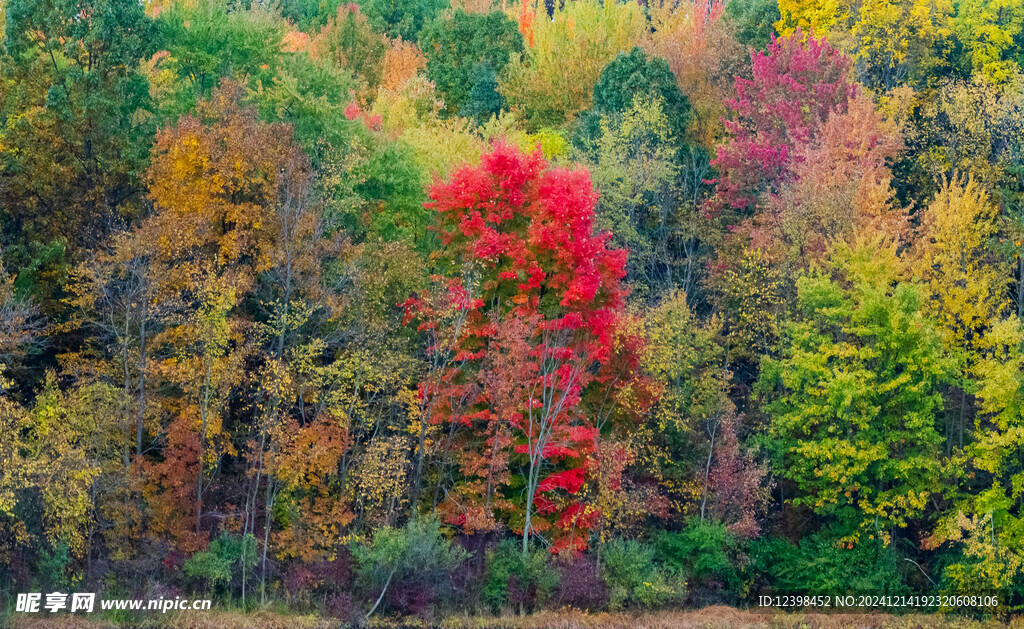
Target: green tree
(484,100)
(987,30)
(630,77)
(205,42)
(455,45)
(635,169)
(853,399)
(75,137)
(754,20)
(402,18)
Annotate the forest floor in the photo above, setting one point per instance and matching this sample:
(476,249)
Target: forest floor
(708,618)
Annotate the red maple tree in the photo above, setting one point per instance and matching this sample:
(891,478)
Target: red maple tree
(796,83)
(530,300)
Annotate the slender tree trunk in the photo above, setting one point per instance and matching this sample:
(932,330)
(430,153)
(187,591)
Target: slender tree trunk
(381,597)
(204,410)
(266,541)
(963,410)
(1020,288)
(142,384)
(707,471)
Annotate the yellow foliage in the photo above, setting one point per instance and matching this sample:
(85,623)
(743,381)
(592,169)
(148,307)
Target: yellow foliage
(554,80)
(887,38)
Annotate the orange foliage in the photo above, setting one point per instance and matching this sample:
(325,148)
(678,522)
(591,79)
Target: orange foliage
(305,463)
(526,18)
(703,54)
(402,61)
(296,41)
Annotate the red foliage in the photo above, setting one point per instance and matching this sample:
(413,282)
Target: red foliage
(533,302)
(170,488)
(797,83)
(735,481)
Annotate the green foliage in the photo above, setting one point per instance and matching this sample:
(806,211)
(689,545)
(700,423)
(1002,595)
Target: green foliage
(218,565)
(754,21)
(75,133)
(312,98)
(820,563)
(979,561)
(635,580)
(308,15)
(402,18)
(206,42)
(553,80)
(349,42)
(987,30)
(530,572)
(415,554)
(391,184)
(484,101)
(55,567)
(853,399)
(687,355)
(465,53)
(703,551)
(634,76)
(636,170)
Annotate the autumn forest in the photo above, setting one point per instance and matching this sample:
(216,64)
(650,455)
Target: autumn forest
(405,308)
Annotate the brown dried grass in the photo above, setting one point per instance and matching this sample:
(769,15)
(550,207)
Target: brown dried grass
(708,618)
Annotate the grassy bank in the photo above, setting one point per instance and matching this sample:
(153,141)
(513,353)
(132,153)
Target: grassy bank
(708,618)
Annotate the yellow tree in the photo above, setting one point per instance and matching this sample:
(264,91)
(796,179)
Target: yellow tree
(966,286)
(988,29)
(74,457)
(112,301)
(215,180)
(891,41)
(20,326)
(554,79)
(689,358)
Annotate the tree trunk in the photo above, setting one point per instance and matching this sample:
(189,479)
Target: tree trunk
(142,384)
(381,597)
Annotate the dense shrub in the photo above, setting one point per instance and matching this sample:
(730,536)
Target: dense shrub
(580,584)
(219,564)
(523,581)
(634,580)
(412,565)
(824,563)
(706,554)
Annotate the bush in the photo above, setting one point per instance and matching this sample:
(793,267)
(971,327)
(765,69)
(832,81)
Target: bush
(580,584)
(635,581)
(54,567)
(215,566)
(412,564)
(518,580)
(823,563)
(706,553)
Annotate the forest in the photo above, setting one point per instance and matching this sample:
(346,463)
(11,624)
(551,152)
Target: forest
(408,308)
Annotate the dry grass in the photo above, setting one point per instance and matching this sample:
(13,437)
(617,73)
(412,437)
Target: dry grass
(725,618)
(708,618)
(179,620)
